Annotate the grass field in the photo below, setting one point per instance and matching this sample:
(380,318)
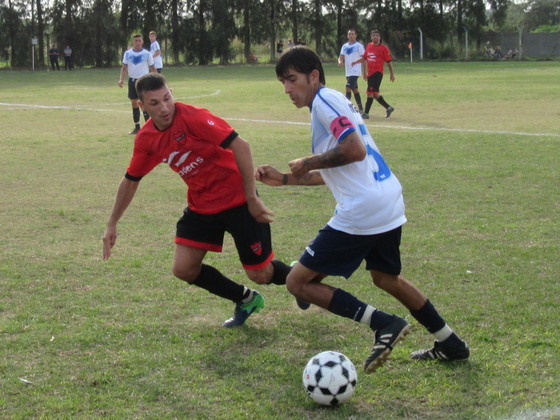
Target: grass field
(477,149)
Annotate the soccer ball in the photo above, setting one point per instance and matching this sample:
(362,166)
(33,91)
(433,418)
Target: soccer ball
(329,378)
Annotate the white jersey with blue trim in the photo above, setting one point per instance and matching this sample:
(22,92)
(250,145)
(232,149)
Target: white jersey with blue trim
(138,62)
(368,195)
(158,61)
(352,52)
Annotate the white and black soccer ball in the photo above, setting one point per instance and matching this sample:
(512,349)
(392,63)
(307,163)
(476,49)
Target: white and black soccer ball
(330,378)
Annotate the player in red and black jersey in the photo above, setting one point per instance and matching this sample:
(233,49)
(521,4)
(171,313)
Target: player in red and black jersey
(217,166)
(376,55)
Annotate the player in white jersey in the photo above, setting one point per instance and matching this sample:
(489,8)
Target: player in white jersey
(350,52)
(368,218)
(136,63)
(155,50)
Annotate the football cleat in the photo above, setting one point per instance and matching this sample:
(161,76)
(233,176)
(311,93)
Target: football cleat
(389,112)
(244,310)
(365,116)
(385,340)
(136,130)
(439,352)
(302,304)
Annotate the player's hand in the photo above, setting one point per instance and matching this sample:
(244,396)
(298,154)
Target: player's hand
(298,167)
(392,78)
(269,175)
(121,83)
(109,240)
(259,211)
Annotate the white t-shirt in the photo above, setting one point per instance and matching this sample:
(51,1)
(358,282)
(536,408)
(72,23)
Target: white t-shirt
(368,195)
(138,62)
(352,52)
(158,61)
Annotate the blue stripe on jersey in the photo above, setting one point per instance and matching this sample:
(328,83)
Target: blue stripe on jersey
(325,101)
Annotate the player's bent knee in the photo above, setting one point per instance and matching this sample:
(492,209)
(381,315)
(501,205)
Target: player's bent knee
(185,274)
(259,276)
(293,286)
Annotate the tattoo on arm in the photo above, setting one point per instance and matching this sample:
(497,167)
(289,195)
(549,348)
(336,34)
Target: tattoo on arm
(310,178)
(330,159)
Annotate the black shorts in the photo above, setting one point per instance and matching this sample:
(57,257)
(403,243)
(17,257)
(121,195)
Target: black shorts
(374,82)
(132,94)
(337,253)
(206,231)
(352,82)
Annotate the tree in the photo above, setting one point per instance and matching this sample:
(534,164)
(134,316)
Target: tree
(542,12)
(40,32)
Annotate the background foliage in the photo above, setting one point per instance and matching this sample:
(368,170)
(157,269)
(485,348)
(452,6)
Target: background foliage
(204,31)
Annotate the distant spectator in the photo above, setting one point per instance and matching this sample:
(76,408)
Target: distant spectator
(68,58)
(53,56)
(498,53)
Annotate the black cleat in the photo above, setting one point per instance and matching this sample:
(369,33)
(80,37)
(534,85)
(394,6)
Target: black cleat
(385,340)
(440,352)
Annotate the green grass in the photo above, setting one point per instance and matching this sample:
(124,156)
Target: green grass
(476,147)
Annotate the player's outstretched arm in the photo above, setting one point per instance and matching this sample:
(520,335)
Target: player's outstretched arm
(349,150)
(244,159)
(271,176)
(123,198)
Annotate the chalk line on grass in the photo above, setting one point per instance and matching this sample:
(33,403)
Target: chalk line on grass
(388,126)
(546,414)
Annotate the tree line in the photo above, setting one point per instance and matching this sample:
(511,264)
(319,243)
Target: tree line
(204,31)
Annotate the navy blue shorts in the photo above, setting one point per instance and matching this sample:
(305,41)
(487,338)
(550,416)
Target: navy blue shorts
(206,231)
(337,253)
(132,94)
(352,82)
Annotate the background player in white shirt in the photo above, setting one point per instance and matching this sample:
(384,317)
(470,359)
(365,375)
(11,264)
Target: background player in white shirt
(350,52)
(155,50)
(136,63)
(367,222)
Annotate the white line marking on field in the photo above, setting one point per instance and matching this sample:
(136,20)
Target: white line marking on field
(72,108)
(394,127)
(404,127)
(546,414)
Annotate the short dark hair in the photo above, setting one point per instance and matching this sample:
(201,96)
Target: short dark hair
(302,59)
(150,81)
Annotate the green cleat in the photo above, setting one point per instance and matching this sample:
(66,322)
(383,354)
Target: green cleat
(244,310)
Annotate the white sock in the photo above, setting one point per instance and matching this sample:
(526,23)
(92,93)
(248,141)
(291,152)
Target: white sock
(366,317)
(443,334)
(248,298)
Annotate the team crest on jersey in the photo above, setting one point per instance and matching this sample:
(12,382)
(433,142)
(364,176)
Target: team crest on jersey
(210,122)
(257,248)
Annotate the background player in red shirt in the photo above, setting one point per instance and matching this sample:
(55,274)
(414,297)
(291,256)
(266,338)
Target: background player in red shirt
(217,166)
(376,55)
